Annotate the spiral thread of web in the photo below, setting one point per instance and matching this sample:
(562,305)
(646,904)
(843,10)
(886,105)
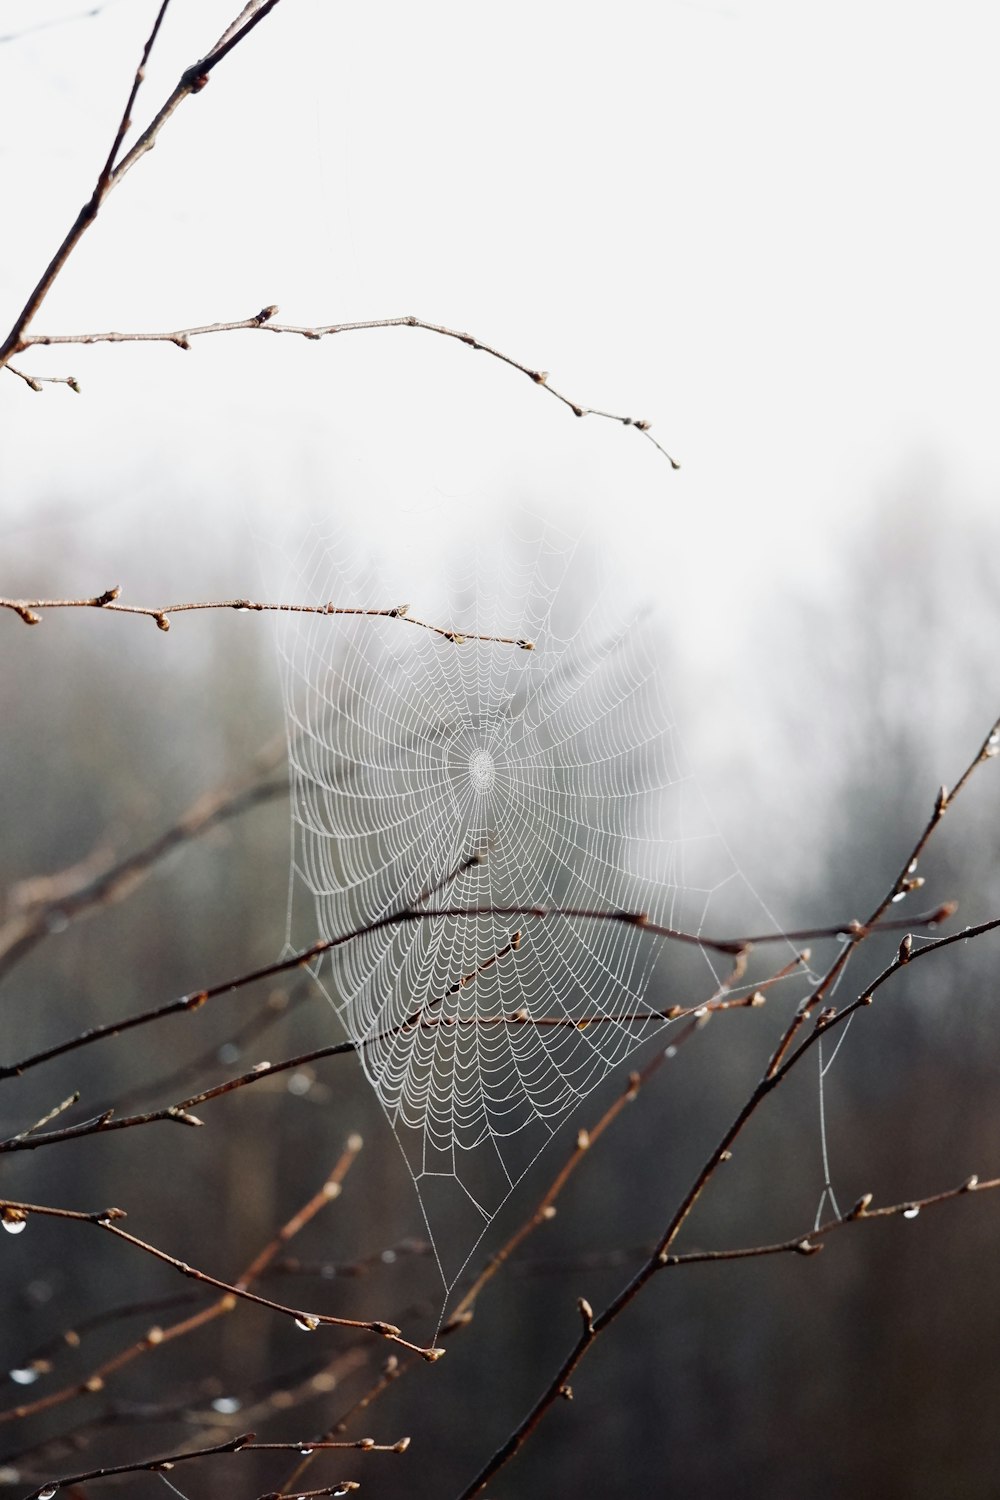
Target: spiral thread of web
(432,775)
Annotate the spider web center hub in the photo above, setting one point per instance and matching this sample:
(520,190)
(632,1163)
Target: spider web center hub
(482,771)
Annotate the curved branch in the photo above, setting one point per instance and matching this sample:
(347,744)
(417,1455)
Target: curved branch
(261,322)
(19,1213)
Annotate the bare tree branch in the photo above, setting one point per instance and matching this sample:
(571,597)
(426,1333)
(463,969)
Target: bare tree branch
(192,1002)
(107,602)
(243,1444)
(35,382)
(263,322)
(191,82)
(807,1244)
(12,1212)
(777,1069)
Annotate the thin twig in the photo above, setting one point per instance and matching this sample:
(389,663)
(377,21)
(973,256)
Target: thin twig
(107,602)
(15,1212)
(35,382)
(808,1243)
(243,1444)
(155,1465)
(263,322)
(52,1114)
(339,1487)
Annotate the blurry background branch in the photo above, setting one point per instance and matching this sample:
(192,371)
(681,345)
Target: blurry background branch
(44,904)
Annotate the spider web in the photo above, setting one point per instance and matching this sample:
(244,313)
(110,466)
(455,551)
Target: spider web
(431,774)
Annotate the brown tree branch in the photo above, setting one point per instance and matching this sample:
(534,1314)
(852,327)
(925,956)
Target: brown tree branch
(35,382)
(243,1444)
(192,1002)
(263,322)
(464,1311)
(807,1244)
(28,611)
(777,1069)
(19,1213)
(191,82)
(180,1113)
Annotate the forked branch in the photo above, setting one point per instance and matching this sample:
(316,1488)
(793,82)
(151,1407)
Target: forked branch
(192,81)
(782,1061)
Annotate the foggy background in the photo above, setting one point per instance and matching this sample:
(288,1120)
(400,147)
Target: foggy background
(766,228)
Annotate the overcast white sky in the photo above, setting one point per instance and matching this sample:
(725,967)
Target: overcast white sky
(768,226)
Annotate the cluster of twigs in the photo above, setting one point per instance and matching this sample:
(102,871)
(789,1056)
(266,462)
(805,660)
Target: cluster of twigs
(40,908)
(812,1020)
